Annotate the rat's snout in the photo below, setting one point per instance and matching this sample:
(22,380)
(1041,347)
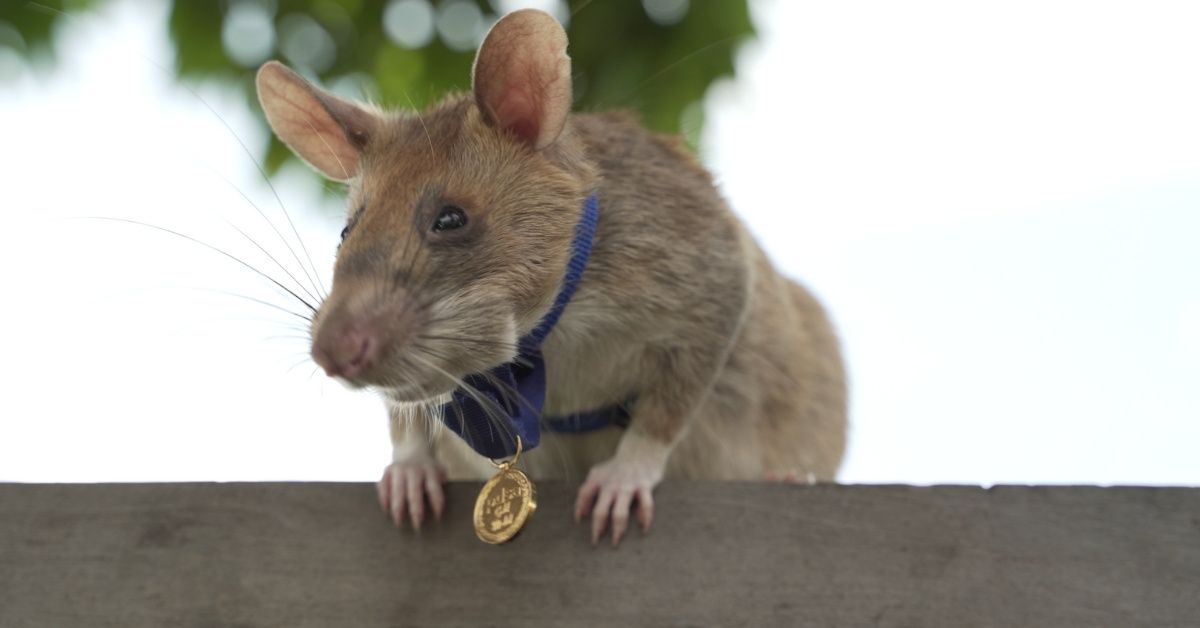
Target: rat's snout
(355,333)
(349,350)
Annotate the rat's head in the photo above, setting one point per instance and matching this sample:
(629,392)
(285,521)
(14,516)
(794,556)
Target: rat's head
(459,219)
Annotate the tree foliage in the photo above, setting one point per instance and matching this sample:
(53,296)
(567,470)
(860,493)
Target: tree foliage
(655,56)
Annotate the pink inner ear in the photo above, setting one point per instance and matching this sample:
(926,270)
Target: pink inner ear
(518,112)
(322,129)
(523,77)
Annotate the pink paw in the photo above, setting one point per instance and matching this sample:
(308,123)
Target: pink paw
(406,485)
(791,477)
(611,492)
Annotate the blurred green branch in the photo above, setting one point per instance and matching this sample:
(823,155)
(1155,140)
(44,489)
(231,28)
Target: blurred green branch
(655,56)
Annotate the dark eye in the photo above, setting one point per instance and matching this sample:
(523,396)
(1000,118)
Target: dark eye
(345,232)
(450,217)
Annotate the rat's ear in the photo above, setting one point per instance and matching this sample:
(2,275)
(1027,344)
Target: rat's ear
(523,77)
(320,128)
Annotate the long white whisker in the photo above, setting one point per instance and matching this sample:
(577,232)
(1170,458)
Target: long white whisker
(421,119)
(259,301)
(491,408)
(286,244)
(212,248)
(261,172)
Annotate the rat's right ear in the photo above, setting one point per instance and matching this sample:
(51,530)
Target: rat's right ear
(522,77)
(320,128)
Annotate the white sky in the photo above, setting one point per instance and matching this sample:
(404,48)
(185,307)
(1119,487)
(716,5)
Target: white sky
(998,203)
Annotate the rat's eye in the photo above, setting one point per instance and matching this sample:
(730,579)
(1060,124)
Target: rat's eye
(450,217)
(345,232)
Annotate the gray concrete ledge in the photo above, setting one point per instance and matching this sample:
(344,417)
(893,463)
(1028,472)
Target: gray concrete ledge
(298,555)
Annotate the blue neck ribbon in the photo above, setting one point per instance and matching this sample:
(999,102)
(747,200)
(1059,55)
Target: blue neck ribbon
(517,389)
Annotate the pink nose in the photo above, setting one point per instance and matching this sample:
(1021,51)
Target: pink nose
(346,352)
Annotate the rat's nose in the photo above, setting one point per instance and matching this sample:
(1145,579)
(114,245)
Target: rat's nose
(348,351)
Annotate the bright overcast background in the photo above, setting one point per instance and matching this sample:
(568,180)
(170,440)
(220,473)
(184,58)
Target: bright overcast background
(999,203)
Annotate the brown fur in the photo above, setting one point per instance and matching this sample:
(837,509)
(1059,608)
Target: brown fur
(734,369)
(678,308)
(681,309)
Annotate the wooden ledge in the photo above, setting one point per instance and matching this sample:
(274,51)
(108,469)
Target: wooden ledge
(298,555)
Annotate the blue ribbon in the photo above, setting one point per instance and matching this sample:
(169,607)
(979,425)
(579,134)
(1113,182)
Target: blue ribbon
(517,390)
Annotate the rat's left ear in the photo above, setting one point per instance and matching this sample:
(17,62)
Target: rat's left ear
(522,77)
(324,130)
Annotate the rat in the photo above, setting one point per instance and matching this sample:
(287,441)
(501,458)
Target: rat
(460,226)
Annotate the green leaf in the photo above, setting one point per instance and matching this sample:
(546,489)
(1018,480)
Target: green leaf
(621,58)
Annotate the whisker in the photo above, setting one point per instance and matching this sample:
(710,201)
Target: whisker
(275,229)
(473,341)
(210,247)
(258,301)
(579,8)
(329,148)
(286,337)
(511,394)
(296,366)
(672,66)
(269,256)
(492,410)
(422,121)
(44,8)
(262,172)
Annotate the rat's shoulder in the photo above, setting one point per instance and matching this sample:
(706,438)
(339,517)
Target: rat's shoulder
(618,141)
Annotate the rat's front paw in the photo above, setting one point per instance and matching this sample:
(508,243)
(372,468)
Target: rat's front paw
(407,484)
(611,491)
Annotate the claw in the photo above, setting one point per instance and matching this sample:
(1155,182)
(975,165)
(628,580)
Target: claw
(382,490)
(437,499)
(611,493)
(416,499)
(583,503)
(405,487)
(645,511)
(620,515)
(600,515)
(398,504)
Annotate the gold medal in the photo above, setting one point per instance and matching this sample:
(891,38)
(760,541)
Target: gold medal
(505,503)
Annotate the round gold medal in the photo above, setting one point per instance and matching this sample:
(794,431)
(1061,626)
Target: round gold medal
(505,503)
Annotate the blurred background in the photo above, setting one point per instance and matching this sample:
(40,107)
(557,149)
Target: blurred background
(999,204)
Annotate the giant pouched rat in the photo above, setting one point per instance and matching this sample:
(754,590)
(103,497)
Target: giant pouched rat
(461,221)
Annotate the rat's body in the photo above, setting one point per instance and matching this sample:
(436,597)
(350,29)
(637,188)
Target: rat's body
(674,275)
(461,223)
